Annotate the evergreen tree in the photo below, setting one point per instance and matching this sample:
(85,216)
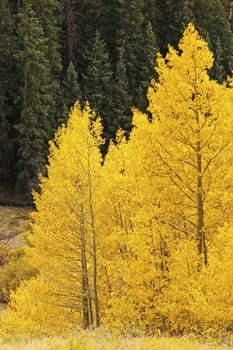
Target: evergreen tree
(71,90)
(35,123)
(50,14)
(136,36)
(147,62)
(129,36)
(7,90)
(168,22)
(122,102)
(122,26)
(87,21)
(69,32)
(96,82)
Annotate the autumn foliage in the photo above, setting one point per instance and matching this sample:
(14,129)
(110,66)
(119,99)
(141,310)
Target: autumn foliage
(142,240)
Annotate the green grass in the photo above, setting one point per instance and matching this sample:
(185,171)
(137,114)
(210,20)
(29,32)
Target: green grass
(98,341)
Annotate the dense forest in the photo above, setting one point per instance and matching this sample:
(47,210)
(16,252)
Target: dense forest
(55,52)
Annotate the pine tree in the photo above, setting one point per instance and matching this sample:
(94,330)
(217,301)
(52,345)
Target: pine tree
(129,36)
(96,82)
(49,13)
(35,124)
(168,22)
(7,90)
(146,70)
(72,91)
(70,32)
(122,102)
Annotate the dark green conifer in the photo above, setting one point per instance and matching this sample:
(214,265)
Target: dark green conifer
(97,80)
(8,85)
(49,12)
(71,90)
(168,22)
(122,101)
(129,36)
(35,123)
(147,63)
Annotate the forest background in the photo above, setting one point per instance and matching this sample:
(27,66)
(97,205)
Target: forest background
(53,53)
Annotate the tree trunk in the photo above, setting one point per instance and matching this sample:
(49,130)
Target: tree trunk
(201,243)
(87,304)
(93,248)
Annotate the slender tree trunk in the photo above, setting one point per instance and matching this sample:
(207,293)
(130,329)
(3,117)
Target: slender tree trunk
(93,248)
(87,304)
(201,243)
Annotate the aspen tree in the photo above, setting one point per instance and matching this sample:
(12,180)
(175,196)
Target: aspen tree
(194,138)
(64,235)
(132,256)
(193,115)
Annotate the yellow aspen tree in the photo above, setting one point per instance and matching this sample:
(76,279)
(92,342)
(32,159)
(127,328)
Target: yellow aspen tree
(194,140)
(192,115)
(133,256)
(64,235)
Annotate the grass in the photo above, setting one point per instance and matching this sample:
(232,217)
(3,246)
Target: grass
(14,220)
(97,341)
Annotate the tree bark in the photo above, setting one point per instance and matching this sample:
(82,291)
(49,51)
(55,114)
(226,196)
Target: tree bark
(87,304)
(201,243)
(93,248)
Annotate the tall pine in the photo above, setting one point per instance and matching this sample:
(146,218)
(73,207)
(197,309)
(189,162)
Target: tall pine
(71,90)
(122,101)
(50,14)
(97,80)
(167,23)
(35,98)
(7,90)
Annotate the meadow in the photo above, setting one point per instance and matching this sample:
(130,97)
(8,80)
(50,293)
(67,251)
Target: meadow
(96,340)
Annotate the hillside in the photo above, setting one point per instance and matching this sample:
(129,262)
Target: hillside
(14,221)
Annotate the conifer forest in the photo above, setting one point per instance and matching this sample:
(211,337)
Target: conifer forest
(116,125)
